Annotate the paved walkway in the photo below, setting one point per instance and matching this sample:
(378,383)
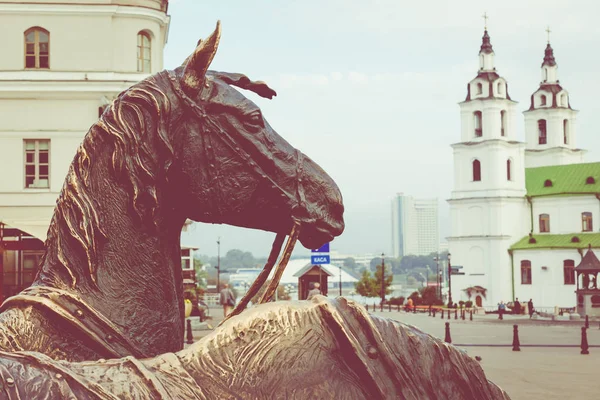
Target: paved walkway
(534,373)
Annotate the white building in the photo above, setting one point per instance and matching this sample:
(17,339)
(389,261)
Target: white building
(414,226)
(62,63)
(522,212)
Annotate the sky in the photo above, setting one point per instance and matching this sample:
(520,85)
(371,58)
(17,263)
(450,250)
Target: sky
(370,89)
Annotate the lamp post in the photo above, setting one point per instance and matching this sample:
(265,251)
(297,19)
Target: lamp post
(449,282)
(218,263)
(382,279)
(438,279)
(340,279)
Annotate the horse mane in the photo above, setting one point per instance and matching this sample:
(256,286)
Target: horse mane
(141,153)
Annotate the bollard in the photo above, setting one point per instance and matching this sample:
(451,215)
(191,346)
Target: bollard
(462,314)
(471,316)
(381,306)
(429,310)
(442,313)
(455,313)
(389,307)
(447,339)
(516,344)
(449,316)
(584,343)
(587,322)
(434,313)
(190,337)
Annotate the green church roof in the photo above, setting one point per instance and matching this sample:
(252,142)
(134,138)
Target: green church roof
(565,179)
(545,241)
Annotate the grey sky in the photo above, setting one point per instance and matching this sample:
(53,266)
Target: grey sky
(369,89)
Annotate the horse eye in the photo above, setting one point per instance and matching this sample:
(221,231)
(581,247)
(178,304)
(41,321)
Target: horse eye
(255,118)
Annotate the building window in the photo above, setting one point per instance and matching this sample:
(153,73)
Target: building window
(186,259)
(590,180)
(37,48)
(478,123)
(144,47)
(499,87)
(508,170)
(526,272)
(544,223)
(37,163)
(566,131)
(586,222)
(479,88)
(502,122)
(547,183)
(569,272)
(543,100)
(476,171)
(542,138)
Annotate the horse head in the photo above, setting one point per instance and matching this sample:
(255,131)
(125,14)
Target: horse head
(232,167)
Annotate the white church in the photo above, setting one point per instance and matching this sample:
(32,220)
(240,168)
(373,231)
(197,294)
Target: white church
(522,213)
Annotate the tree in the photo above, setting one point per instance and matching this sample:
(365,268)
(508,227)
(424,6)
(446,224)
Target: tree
(364,286)
(429,295)
(350,263)
(370,286)
(416,298)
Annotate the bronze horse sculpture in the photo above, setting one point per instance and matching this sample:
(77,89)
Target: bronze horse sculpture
(104,316)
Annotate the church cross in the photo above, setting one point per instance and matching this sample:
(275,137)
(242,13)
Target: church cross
(548,32)
(485,18)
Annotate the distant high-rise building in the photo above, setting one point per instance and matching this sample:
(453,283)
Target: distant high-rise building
(414,226)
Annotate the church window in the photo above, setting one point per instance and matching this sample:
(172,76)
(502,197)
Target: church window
(502,122)
(590,180)
(37,164)
(566,131)
(543,100)
(37,48)
(569,272)
(547,183)
(478,123)
(479,88)
(542,138)
(499,87)
(144,47)
(508,170)
(544,223)
(526,272)
(476,171)
(586,222)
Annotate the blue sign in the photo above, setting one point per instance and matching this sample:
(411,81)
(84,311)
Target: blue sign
(320,259)
(322,249)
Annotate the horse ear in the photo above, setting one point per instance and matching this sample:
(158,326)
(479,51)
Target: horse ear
(198,63)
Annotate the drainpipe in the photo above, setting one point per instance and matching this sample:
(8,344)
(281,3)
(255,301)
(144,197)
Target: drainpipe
(531,210)
(580,251)
(512,272)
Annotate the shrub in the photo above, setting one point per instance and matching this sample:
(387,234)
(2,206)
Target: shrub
(469,304)
(396,301)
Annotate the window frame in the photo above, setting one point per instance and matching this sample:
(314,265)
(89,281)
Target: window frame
(142,50)
(587,221)
(542,131)
(36,163)
(526,276)
(544,223)
(569,272)
(478,121)
(476,169)
(543,100)
(187,258)
(36,30)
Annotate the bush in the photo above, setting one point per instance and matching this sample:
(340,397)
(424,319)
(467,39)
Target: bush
(396,301)
(461,303)
(416,298)
(469,304)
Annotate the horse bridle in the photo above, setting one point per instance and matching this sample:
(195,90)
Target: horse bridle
(298,202)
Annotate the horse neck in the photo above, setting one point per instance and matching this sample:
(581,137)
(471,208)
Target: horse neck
(136,283)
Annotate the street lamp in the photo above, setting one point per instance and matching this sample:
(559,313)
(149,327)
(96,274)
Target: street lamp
(382,279)
(438,278)
(449,282)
